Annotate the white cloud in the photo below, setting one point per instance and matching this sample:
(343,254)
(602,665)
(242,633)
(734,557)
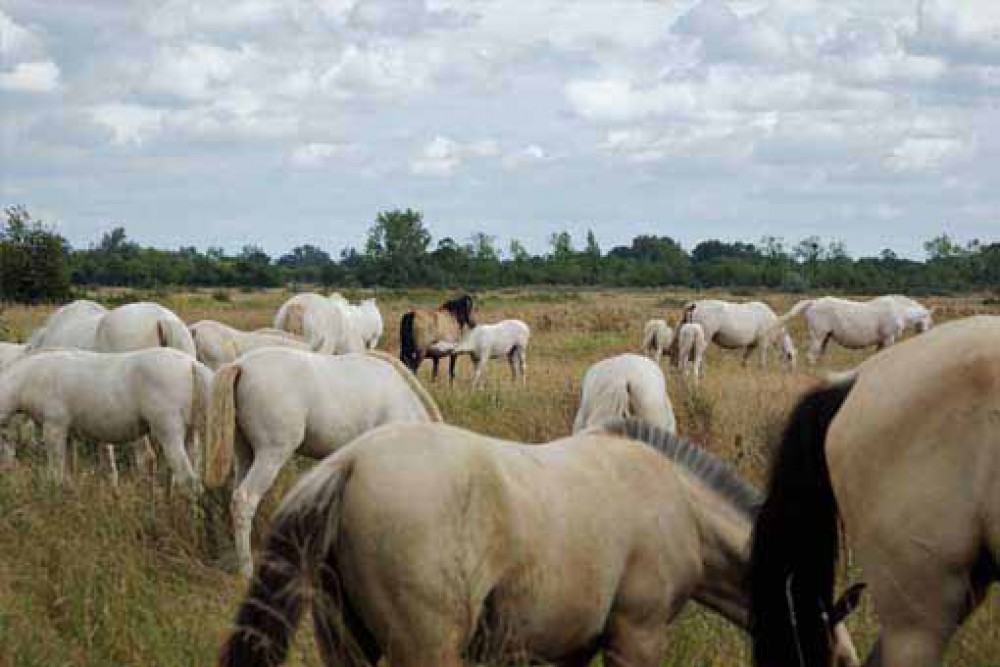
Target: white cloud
(31,77)
(129,123)
(16,41)
(196,71)
(442,156)
(316,154)
(967,30)
(927,154)
(527,156)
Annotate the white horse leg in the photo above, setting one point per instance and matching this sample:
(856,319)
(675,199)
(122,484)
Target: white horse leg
(477,378)
(54,436)
(512,362)
(170,438)
(817,345)
(263,471)
(522,362)
(107,452)
(144,456)
(747,351)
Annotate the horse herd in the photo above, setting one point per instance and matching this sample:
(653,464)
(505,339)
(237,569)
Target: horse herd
(424,544)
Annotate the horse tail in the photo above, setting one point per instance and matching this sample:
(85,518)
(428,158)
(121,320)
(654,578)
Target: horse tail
(649,340)
(792,577)
(293,319)
(799,308)
(433,411)
(221,425)
(199,413)
(298,548)
(407,340)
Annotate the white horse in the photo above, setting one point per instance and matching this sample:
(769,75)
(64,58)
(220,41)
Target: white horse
(326,321)
(274,402)
(906,460)
(218,344)
(74,325)
(856,325)
(747,326)
(628,385)
(366,319)
(113,398)
(691,346)
(137,326)
(657,338)
(11,352)
(507,338)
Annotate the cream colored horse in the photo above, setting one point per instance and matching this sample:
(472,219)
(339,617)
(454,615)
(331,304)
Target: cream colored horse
(218,344)
(137,326)
(747,326)
(74,325)
(627,385)
(326,321)
(657,339)
(114,398)
(430,545)
(274,402)
(908,457)
(691,346)
(507,338)
(11,352)
(878,323)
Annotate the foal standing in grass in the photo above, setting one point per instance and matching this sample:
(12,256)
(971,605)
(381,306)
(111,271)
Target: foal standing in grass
(508,338)
(430,545)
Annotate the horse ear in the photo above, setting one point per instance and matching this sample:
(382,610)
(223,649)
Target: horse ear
(847,603)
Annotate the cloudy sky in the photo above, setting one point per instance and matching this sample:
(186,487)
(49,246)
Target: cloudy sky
(281,122)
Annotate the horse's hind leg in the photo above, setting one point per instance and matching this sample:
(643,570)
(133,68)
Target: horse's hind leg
(55,436)
(267,463)
(341,635)
(170,438)
(635,645)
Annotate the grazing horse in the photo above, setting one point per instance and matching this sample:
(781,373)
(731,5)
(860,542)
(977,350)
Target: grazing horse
(11,352)
(625,386)
(856,325)
(137,326)
(74,325)
(657,339)
(219,344)
(274,402)
(508,338)
(114,398)
(431,545)
(434,334)
(691,346)
(325,322)
(747,326)
(907,456)
(367,321)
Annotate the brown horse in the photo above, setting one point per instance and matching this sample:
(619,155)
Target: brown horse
(434,334)
(431,545)
(906,452)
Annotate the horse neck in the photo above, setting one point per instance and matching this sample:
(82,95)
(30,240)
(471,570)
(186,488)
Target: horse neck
(724,530)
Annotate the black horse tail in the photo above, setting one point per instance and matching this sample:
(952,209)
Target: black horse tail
(407,341)
(297,549)
(795,542)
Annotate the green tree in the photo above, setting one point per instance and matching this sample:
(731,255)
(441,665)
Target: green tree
(33,260)
(396,245)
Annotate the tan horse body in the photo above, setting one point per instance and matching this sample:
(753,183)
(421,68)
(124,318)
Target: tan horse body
(438,544)
(219,344)
(913,453)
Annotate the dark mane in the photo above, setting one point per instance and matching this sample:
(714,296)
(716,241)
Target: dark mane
(461,308)
(716,473)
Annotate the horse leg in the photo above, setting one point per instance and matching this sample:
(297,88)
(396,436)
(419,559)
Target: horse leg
(817,346)
(512,362)
(634,644)
(452,361)
(435,360)
(340,633)
(267,463)
(747,351)
(170,438)
(144,456)
(522,363)
(55,436)
(477,379)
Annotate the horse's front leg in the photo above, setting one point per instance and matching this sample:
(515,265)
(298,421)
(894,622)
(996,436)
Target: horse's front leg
(435,360)
(480,361)
(747,351)
(452,361)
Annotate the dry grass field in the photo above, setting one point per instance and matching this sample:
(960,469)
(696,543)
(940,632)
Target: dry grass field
(91,576)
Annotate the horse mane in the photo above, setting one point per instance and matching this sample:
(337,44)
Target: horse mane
(718,475)
(461,309)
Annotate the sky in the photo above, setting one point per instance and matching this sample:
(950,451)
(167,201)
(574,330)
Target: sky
(283,122)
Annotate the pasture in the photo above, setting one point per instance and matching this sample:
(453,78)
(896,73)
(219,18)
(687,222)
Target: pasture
(95,576)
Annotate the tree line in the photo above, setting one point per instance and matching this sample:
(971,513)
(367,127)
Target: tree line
(37,264)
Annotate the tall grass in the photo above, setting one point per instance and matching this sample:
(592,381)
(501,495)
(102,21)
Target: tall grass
(95,576)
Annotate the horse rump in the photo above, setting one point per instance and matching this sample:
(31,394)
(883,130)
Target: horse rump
(795,542)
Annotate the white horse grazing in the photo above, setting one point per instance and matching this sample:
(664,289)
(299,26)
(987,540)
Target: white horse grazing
(113,398)
(628,385)
(905,459)
(274,402)
(136,326)
(691,346)
(657,338)
(857,324)
(367,320)
(326,322)
(508,338)
(72,326)
(746,326)
(218,344)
